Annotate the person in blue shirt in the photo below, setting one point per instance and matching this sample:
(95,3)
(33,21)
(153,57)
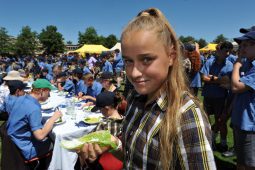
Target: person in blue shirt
(16,88)
(107,66)
(45,74)
(24,125)
(65,84)
(216,74)
(243,112)
(82,65)
(118,63)
(80,87)
(94,88)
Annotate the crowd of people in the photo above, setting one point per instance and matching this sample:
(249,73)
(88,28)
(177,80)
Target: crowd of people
(157,121)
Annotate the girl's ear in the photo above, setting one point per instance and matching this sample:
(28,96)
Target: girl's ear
(171,55)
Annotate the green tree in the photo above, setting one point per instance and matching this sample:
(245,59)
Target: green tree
(69,42)
(110,41)
(89,37)
(52,40)
(187,39)
(26,43)
(220,38)
(5,45)
(202,42)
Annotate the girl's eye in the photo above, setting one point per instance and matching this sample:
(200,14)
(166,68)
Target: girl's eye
(147,60)
(128,62)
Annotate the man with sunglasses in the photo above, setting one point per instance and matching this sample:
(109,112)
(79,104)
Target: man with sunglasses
(24,125)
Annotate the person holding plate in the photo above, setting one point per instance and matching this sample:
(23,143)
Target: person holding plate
(164,126)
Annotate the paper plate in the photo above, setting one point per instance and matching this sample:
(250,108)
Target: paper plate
(46,107)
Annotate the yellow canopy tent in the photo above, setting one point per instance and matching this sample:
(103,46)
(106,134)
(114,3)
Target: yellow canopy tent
(90,48)
(209,47)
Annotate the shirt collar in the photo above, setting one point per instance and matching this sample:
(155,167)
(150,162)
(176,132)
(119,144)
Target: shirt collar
(162,101)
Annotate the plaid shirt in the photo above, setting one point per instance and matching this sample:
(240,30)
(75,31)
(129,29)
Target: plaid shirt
(141,135)
(113,125)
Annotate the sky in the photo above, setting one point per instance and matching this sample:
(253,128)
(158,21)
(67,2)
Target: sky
(198,18)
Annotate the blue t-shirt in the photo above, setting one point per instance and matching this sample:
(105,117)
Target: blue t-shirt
(8,103)
(107,67)
(196,81)
(95,89)
(243,112)
(232,58)
(80,87)
(69,86)
(49,77)
(86,70)
(24,118)
(118,63)
(211,67)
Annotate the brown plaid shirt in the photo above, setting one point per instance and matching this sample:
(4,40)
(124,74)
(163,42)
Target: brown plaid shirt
(141,135)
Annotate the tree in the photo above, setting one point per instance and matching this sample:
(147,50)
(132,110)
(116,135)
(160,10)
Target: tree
(26,43)
(110,41)
(202,43)
(52,40)
(220,38)
(187,39)
(69,42)
(5,45)
(89,37)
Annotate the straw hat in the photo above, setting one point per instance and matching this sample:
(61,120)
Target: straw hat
(13,75)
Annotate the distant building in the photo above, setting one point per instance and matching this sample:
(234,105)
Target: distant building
(71,47)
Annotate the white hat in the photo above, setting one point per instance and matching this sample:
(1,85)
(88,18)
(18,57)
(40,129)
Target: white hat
(13,75)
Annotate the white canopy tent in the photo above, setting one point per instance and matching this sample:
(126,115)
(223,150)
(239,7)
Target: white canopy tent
(116,46)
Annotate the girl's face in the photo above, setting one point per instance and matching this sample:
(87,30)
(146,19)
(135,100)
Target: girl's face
(147,61)
(247,49)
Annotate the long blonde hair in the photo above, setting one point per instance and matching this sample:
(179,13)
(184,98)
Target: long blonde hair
(152,19)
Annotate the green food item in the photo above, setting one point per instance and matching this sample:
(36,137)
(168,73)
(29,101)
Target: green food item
(102,138)
(88,108)
(92,119)
(59,120)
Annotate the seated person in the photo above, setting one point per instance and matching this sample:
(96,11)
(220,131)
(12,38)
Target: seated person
(45,75)
(16,88)
(80,86)
(94,88)
(64,83)
(24,125)
(108,81)
(107,103)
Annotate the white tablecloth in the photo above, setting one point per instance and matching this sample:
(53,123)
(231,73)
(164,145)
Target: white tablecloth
(63,159)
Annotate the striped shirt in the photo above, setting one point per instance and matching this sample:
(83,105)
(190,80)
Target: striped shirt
(141,135)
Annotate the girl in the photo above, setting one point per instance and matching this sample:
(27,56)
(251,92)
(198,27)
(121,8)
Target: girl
(164,127)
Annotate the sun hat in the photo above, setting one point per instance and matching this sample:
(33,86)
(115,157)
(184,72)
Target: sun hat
(13,75)
(42,83)
(248,36)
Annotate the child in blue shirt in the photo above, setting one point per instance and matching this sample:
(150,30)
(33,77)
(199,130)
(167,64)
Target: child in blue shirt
(243,112)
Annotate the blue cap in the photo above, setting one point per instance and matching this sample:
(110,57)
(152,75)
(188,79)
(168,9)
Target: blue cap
(248,36)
